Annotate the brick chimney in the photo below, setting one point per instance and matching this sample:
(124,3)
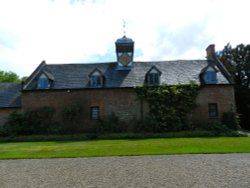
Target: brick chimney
(210,51)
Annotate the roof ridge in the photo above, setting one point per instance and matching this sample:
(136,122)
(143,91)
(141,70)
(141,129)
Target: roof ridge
(111,62)
(79,63)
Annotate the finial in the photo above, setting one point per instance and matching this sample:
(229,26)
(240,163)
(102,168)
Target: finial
(124,27)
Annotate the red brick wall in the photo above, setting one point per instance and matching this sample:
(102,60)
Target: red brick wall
(123,102)
(5,112)
(223,95)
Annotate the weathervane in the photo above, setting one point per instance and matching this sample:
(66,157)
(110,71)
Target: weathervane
(124,27)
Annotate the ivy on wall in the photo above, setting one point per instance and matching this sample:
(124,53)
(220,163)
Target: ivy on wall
(169,106)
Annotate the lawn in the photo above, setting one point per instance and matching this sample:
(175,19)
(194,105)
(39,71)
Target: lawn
(124,147)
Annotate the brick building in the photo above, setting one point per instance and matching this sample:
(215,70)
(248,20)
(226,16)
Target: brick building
(10,100)
(104,88)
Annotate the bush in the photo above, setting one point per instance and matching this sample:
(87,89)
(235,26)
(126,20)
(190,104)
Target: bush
(147,125)
(2,132)
(56,128)
(71,112)
(217,128)
(95,136)
(109,124)
(72,119)
(41,119)
(38,121)
(17,124)
(231,120)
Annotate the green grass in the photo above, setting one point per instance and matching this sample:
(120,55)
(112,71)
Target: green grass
(124,147)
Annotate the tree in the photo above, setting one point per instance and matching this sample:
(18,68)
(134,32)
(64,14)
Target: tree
(237,61)
(24,78)
(9,77)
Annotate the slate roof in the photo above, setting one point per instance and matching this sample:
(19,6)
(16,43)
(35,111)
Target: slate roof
(10,95)
(76,76)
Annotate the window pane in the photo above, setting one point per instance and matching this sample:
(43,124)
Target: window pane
(212,110)
(94,113)
(211,77)
(95,81)
(43,83)
(156,79)
(98,81)
(150,79)
(153,79)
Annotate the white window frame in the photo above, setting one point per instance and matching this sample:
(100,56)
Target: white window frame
(94,112)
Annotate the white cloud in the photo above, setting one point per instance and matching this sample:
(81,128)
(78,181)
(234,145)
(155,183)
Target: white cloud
(65,31)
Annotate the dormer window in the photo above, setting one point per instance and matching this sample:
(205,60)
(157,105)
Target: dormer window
(96,79)
(153,76)
(210,76)
(43,82)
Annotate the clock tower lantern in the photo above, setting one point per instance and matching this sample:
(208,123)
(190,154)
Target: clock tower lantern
(124,53)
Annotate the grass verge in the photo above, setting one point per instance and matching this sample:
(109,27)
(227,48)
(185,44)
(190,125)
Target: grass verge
(157,146)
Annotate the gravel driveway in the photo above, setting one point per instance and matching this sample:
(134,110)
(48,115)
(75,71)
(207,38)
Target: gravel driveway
(219,170)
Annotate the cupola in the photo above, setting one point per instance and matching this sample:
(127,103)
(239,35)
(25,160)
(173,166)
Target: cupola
(124,53)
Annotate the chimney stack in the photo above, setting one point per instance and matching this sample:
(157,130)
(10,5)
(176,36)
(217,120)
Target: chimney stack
(210,51)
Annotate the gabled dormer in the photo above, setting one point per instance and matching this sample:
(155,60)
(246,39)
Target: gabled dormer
(96,79)
(209,75)
(217,66)
(45,80)
(153,76)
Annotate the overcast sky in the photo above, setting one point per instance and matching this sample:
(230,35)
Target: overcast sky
(84,31)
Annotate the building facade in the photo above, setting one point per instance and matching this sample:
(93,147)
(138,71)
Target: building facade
(101,89)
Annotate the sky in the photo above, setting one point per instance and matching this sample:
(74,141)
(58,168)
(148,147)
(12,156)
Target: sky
(84,31)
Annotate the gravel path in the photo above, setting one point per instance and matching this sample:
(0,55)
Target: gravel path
(219,170)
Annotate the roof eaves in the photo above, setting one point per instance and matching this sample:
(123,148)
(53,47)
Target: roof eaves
(223,69)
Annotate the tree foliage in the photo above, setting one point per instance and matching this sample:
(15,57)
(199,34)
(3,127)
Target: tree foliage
(37,121)
(9,77)
(169,106)
(237,61)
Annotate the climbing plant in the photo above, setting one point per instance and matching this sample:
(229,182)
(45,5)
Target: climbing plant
(169,106)
(72,118)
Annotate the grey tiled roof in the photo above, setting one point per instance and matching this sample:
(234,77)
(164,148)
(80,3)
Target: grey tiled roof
(76,76)
(10,95)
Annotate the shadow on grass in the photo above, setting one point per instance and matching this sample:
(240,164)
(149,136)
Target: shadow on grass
(116,136)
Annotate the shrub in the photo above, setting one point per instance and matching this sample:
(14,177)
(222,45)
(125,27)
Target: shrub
(109,124)
(217,128)
(56,128)
(72,118)
(40,119)
(3,132)
(36,121)
(231,120)
(17,124)
(147,125)
(71,112)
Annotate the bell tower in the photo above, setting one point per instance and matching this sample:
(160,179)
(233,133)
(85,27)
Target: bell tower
(124,53)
